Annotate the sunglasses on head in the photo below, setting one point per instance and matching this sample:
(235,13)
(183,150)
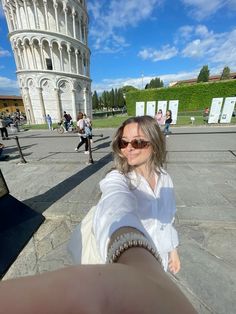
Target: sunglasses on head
(136,144)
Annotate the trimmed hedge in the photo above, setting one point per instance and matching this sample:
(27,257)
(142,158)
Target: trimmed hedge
(191,97)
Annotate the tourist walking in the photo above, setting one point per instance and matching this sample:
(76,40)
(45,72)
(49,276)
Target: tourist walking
(49,122)
(3,128)
(67,119)
(81,132)
(168,121)
(88,127)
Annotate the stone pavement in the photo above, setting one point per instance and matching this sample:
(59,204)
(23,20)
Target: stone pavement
(59,183)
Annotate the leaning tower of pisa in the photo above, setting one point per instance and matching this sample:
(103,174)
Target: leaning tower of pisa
(50,46)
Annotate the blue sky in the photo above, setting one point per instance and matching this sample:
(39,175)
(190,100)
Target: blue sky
(133,41)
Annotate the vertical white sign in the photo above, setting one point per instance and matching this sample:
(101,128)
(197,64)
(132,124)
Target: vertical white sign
(140,108)
(151,108)
(162,104)
(173,106)
(228,109)
(215,110)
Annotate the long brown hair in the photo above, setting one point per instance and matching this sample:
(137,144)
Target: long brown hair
(80,116)
(153,133)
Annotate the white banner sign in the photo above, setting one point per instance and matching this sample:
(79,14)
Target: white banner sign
(173,106)
(215,110)
(140,108)
(162,104)
(151,108)
(228,109)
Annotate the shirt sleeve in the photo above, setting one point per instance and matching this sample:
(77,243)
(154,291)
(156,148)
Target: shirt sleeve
(166,214)
(174,238)
(116,208)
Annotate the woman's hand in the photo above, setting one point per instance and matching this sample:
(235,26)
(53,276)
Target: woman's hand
(174,262)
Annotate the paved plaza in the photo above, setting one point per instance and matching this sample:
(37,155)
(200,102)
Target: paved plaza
(60,183)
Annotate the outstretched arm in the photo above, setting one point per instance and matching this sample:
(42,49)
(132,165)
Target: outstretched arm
(136,284)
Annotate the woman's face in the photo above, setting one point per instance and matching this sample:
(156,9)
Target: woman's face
(135,157)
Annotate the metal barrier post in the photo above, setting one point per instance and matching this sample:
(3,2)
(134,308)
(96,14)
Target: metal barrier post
(90,152)
(20,152)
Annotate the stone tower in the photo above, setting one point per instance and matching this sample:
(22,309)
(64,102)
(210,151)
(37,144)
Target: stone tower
(49,40)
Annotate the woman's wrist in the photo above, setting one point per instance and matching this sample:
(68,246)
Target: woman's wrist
(126,238)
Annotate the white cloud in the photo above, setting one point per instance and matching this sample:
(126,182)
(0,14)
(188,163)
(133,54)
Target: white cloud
(4,53)
(199,48)
(140,82)
(6,82)
(165,53)
(184,32)
(202,31)
(225,51)
(108,19)
(215,49)
(201,9)
(1,10)
(8,86)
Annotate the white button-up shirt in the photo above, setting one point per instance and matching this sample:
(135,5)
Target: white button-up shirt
(129,201)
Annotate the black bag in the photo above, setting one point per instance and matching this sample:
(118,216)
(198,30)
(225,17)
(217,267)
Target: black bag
(80,131)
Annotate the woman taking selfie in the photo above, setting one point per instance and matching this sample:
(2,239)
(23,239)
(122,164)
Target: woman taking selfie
(132,226)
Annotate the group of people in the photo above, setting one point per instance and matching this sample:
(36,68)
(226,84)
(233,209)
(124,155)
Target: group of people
(7,120)
(164,120)
(135,239)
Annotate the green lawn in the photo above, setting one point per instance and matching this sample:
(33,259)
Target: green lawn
(114,122)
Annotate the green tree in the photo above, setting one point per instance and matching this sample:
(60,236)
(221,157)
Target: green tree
(128,88)
(155,83)
(204,74)
(104,99)
(112,98)
(95,100)
(225,74)
(120,98)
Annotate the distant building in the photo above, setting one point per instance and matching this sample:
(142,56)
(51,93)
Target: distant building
(50,46)
(212,78)
(10,104)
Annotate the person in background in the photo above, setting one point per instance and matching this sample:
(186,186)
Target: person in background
(88,127)
(3,128)
(49,122)
(168,121)
(206,114)
(66,120)
(81,132)
(159,117)
(16,120)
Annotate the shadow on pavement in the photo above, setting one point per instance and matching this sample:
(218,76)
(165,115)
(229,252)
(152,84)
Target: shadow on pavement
(18,222)
(103,145)
(101,139)
(48,198)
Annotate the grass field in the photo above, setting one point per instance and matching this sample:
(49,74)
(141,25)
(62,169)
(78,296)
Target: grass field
(114,122)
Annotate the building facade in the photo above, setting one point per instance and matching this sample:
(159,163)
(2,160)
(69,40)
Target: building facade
(212,78)
(49,40)
(10,104)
